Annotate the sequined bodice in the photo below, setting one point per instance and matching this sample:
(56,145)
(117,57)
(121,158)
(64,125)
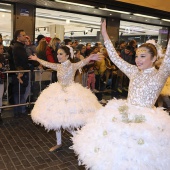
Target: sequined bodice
(65,71)
(145,86)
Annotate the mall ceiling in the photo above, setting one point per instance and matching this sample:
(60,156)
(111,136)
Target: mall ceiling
(111,4)
(92,22)
(158,4)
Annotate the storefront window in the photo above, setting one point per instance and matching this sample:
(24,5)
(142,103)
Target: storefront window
(79,27)
(142,32)
(6,23)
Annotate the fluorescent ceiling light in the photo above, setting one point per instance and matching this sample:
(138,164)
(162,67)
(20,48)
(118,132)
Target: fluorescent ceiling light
(3,10)
(63,18)
(72,3)
(5,4)
(111,10)
(67,21)
(146,16)
(166,20)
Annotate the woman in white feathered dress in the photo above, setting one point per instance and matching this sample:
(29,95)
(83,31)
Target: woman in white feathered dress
(129,134)
(64,104)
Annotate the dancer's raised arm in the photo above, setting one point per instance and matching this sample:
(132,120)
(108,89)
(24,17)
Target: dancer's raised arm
(125,67)
(164,70)
(95,57)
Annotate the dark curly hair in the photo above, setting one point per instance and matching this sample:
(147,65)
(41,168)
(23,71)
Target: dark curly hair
(66,50)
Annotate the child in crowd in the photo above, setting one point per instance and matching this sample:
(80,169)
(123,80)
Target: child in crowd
(91,80)
(78,75)
(91,77)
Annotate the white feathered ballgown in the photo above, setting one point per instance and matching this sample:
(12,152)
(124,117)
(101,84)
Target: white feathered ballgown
(129,134)
(64,104)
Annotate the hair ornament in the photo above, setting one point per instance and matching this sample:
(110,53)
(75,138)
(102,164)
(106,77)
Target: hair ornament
(158,47)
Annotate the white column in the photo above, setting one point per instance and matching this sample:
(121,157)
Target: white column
(57,31)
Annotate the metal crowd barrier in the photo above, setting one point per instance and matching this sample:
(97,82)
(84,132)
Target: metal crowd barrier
(40,75)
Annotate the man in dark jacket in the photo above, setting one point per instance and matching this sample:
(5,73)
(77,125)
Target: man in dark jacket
(19,51)
(21,58)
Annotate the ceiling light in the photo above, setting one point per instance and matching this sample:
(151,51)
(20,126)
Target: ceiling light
(72,3)
(146,16)
(5,4)
(71,20)
(111,10)
(67,21)
(168,20)
(5,10)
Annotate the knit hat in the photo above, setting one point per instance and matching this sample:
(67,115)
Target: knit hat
(39,37)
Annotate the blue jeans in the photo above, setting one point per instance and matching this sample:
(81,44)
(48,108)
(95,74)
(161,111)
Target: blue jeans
(19,109)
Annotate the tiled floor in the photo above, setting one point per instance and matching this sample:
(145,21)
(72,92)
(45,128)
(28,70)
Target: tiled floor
(24,146)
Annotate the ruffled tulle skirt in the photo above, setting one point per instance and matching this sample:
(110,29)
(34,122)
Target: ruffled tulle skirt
(66,107)
(125,137)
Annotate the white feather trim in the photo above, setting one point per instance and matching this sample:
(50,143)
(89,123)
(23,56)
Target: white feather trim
(68,108)
(107,143)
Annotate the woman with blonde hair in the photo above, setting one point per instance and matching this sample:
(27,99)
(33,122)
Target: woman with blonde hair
(51,53)
(41,50)
(54,43)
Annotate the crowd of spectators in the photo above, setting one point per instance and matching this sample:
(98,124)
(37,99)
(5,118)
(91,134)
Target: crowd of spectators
(99,76)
